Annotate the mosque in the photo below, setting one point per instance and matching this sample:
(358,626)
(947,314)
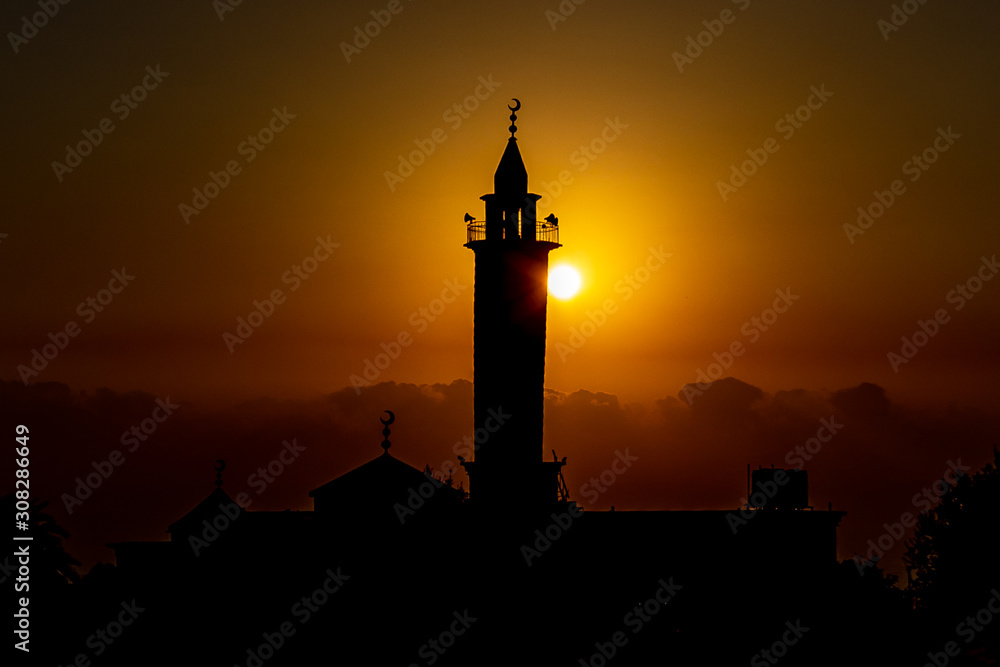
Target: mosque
(393,567)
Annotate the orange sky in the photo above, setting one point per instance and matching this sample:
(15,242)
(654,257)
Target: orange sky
(641,137)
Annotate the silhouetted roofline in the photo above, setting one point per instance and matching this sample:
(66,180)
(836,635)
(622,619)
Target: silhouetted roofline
(378,466)
(208,506)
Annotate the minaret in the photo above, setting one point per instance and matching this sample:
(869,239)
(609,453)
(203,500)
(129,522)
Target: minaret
(512,256)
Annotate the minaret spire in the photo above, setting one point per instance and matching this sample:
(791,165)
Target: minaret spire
(512,249)
(510,182)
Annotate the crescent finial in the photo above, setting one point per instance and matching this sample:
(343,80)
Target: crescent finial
(513,116)
(385,430)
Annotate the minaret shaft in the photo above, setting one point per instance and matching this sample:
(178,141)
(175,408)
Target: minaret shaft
(509,350)
(512,258)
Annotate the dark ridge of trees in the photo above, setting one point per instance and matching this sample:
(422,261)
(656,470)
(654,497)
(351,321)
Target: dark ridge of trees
(953,561)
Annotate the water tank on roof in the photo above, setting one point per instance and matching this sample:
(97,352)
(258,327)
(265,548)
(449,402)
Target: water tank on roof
(779,489)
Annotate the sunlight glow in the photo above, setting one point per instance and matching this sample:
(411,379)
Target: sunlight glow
(564,282)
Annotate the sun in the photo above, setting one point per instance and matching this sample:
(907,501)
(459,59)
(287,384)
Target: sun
(564,282)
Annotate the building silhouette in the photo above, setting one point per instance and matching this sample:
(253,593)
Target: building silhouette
(394,567)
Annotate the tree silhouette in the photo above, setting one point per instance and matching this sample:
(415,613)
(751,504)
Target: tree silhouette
(954,557)
(449,481)
(51,565)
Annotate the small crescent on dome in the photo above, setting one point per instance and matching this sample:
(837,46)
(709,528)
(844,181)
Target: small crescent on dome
(517,107)
(392,418)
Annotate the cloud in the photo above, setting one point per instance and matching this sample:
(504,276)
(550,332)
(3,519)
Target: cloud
(689,457)
(727,399)
(866,401)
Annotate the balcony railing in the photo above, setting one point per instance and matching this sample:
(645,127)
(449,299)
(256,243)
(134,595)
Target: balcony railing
(547,231)
(544,231)
(476,231)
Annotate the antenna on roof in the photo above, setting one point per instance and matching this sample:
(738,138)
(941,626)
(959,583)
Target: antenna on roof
(220,465)
(563,490)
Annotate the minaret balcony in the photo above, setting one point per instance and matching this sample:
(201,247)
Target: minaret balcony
(543,231)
